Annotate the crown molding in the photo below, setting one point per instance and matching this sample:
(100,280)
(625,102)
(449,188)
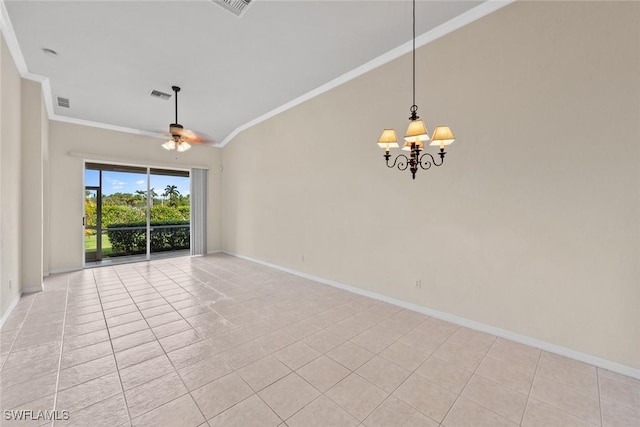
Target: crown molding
(459,21)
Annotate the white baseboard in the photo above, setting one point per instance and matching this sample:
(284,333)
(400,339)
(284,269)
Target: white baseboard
(472,324)
(215,252)
(31,290)
(64,270)
(13,304)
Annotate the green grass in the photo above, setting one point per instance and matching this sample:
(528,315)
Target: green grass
(90,244)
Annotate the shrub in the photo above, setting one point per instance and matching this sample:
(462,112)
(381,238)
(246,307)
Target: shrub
(126,240)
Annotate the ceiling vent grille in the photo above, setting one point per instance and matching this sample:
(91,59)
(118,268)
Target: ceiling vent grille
(63,102)
(237,7)
(161,95)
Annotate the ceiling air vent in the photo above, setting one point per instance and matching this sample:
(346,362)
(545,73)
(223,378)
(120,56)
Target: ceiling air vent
(237,7)
(63,102)
(161,95)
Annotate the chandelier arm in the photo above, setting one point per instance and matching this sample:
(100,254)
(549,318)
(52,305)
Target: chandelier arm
(400,161)
(426,164)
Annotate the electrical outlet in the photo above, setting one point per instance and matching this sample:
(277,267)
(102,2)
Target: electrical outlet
(419,283)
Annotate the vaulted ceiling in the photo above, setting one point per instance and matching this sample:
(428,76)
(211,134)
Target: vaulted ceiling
(232,70)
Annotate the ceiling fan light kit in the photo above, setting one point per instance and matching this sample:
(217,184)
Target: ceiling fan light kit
(178,133)
(416,134)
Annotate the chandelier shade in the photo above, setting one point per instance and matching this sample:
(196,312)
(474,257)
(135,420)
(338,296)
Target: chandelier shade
(442,136)
(388,139)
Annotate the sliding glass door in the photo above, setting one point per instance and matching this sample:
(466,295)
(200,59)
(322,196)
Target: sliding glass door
(132,212)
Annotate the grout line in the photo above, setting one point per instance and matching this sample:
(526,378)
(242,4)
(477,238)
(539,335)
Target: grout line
(599,395)
(64,322)
(19,331)
(533,379)
(124,396)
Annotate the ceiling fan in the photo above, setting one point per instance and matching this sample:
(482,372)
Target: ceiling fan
(181,138)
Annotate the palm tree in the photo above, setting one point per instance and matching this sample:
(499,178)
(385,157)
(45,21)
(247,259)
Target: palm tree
(171,192)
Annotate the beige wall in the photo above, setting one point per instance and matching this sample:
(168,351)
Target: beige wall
(532,225)
(66,181)
(34,146)
(10,174)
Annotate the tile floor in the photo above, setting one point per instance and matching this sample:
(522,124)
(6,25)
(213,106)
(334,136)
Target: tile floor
(219,341)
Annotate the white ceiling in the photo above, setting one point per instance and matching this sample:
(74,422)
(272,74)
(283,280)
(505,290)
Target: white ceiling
(232,69)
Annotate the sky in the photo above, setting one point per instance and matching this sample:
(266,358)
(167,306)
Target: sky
(126,182)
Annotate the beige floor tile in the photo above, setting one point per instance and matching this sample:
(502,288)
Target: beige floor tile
(296,355)
(138,354)
(322,412)
(84,318)
(171,328)
(251,412)
(580,404)
(323,341)
(350,355)
(219,395)
(323,373)
(162,319)
(129,308)
(157,310)
(383,373)
(263,372)
(26,369)
(444,374)
(565,373)
(143,372)
(477,341)
(153,394)
(540,414)
(620,389)
(460,355)
(426,344)
(523,357)
(84,372)
(132,340)
(85,328)
(266,311)
(179,340)
(275,341)
(88,393)
(192,353)
(107,413)
(426,397)
(288,395)
(27,391)
(376,339)
(394,412)
(506,374)
(181,412)
(617,415)
(357,396)
(404,355)
(79,341)
(204,372)
(43,404)
(244,354)
(466,413)
(85,354)
(504,401)
(128,328)
(123,319)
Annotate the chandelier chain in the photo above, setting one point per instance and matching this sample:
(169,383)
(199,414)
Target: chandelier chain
(414,54)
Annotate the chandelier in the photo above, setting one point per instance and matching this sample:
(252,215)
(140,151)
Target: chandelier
(416,134)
